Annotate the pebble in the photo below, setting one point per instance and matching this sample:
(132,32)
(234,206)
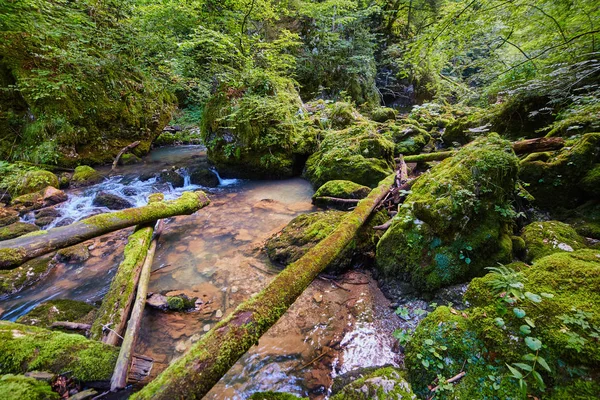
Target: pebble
(181,347)
(234,289)
(219,314)
(318,297)
(206,327)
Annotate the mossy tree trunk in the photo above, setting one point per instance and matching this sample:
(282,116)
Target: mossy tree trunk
(15,252)
(117,302)
(192,376)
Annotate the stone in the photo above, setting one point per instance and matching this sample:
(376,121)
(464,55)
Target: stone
(203,176)
(171,176)
(17,229)
(85,176)
(111,201)
(74,254)
(8,216)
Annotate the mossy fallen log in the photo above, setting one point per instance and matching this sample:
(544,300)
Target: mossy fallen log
(15,252)
(26,348)
(118,301)
(193,375)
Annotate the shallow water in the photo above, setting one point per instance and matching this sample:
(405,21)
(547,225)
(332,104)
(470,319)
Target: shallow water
(217,256)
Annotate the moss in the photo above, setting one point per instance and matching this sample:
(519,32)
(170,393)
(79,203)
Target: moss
(383,384)
(181,303)
(129,159)
(17,387)
(34,181)
(10,257)
(559,181)
(586,219)
(576,390)
(273,396)
(8,216)
(358,154)
(85,175)
(15,280)
(590,183)
(26,348)
(382,114)
(450,227)
(17,229)
(339,189)
(44,314)
(408,138)
(544,238)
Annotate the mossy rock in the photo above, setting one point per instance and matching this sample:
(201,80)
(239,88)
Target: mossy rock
(306,230)
(586,219)
(544,238)
(18,387)
(181,303)
(34,181)
(562,180)
(173,177)
(409,138)
(383,384)
(383,114)
(8,216)
(27,348)
(203,176)
(85,175)
(44,314)
(17,229)
(258,132)
(15,280)
(450,227)
(129,159)
(339,189)
(590,183)
(73,254)
(358,154)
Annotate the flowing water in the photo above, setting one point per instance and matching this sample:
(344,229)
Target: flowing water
(217,255)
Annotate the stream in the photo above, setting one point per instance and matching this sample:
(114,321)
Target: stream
(217,256)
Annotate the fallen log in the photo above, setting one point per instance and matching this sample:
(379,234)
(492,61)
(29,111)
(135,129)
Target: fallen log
(119,378)
(521,147)
(123,151)
(335,200)
(74,326)
(193,375)
(15,252)
(117,302)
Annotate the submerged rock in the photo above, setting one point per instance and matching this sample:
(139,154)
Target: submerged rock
(73,254)
(85,176)
(44,314)
(383,384)
(17,229)
(456,221)
(111,201)
(544,238)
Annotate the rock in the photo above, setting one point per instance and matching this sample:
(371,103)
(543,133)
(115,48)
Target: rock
(383,384)
(128,191)
(219,314)
(129,159)
(590,183)
(111,201)
(586,219)
(203,176)
(33,201)
(65,222)
(17,229)
(84,395)
(41,376)
(342,190)
(382,114)
(206,328)
(34,181)
(358,154)
(545,238)
(74,254)
(46,216)
(5,197)
(85,176)
(44,221)
(409,138)
(64,180)
(18,387)
(14,280)
(449,228)
(8,216)
(318,297)
(172,177)
(44,314)
(157,300)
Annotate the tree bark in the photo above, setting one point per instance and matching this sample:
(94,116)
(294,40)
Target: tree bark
(15,252)
(117,302)
(123,151)
(192,376)
(119,378)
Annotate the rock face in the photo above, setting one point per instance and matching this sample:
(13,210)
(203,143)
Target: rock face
(17,229)
(565,178)
(258,131)
(342,190)
(85,176)
(383,384)
(111,201)
(358,154)
(545,238)
(455,222)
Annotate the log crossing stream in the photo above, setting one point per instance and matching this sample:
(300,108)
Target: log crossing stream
(216,255)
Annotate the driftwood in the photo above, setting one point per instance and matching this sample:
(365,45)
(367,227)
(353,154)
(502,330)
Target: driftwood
(336,200)
(193,375)
(119,378)
(521,147)
(15,252)
(118,301)
(123,151)
(75,326)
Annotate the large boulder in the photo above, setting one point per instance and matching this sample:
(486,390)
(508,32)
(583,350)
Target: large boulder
(34,181)
(34,201)
(564,178)
(253,128)
(203,176)
(548,237)
(457,219)
(85,176)
(173,177)
(358,154)
(409,138)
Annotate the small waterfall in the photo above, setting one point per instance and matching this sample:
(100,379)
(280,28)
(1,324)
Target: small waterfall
(224,182)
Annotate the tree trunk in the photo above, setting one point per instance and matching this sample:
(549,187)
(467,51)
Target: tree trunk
(15,252)
(192,376)
(119,378)
(117,302)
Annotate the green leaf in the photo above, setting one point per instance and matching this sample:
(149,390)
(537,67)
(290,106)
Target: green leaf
(533,343)
(468,260)
(547,295)
(515,372)
(425,363)
(544,364)
(429,342)
(527,357)
(530,322)
(539,379)
(525,329)
(524,367)
(519,312)
(499,321)
(523,387)
(533,297)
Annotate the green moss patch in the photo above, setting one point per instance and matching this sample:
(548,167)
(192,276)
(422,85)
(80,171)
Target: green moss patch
(544,238)
(44,314)
(85,175)
(15,280)
(383,384)
(17,387)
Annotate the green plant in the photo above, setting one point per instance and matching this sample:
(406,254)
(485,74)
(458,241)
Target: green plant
(578,320)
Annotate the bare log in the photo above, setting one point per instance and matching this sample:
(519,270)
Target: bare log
(538,145)
(336,200)
(117,303)
(75,326)
(123,151)
(15,252)
(193,375)
(119,378)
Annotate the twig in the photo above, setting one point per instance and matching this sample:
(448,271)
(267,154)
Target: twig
(262,270)
(334,283)
(311,362)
